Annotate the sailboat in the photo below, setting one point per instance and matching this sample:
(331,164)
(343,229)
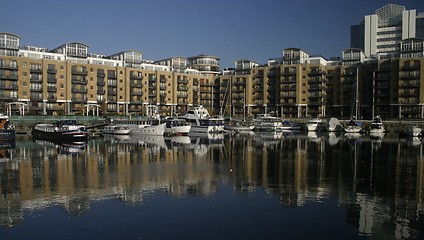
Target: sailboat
(354,126)
(239,126)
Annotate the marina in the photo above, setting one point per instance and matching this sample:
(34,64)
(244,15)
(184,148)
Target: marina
(215,184)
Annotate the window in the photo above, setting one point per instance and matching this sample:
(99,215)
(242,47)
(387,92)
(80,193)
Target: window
(24,64)
(61,67)
(61,76)
(24,74)
(24,84)
(62,85)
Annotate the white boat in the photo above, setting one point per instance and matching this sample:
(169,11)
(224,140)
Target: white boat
(176,127)
(239,126)
(118,129)
(413,131)
(314,124)
(148,126)
(377,125)
(201,122)
(353,126)
(267,123)
(334,125)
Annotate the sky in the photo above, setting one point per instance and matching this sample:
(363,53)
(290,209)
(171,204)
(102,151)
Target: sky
(231,30)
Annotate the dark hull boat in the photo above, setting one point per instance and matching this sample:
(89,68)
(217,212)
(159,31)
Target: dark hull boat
(7,130)
(61,131)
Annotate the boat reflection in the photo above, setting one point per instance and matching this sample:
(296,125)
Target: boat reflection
(63,148)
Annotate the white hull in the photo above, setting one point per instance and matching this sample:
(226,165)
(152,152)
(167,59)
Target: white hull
(207,129)
(353,129)
(314,125)
(238,128)
(377,130)
(117,130)
(178,130)
(153,130)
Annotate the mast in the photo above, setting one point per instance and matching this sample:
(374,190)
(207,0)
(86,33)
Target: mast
(357,93)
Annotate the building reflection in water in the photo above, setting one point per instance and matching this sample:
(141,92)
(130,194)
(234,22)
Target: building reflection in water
(377,179)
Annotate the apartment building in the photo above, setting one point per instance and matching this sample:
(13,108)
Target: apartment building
(69,80)
(379,34)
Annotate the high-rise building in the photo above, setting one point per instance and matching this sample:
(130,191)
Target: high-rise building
(379,34)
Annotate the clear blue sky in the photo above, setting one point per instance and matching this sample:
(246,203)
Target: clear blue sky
(229,29)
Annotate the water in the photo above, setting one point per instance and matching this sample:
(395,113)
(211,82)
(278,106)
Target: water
(261,186)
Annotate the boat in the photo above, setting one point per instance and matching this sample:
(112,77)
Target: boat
(176,127)
(118,129)
(377,125)
(314,124)
(239,126)
(7,130)
(412,131)
(353,126)
(267,123)
(291,126)
(201,122)
(334,125)
(150,125)
(62,131)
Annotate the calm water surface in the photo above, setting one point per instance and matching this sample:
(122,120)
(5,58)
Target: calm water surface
(248,186)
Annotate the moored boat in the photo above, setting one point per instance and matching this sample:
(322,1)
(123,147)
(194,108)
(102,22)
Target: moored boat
(176,127)
(314,124)
(150,125)
(267,123)
(118,129)
(412,131)
(334,125)
(62,130)
(377,125)
(201,122)
(291,126)
(7,130)
(239,126)
(353,126)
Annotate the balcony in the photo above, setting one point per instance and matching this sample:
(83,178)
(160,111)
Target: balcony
(79,90)
(182,81)
(51,80)
(163,80)
(8,67)
(36,89)
(101,92)
(136,77)
(78,81)
(51,70)
(9,87)
(111,91)
(51,89)
(36,79)
(36,70)
(137,93)
(182,88)
(12,77)
(136,85)
(82,72)
(101,74)
(100,83)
